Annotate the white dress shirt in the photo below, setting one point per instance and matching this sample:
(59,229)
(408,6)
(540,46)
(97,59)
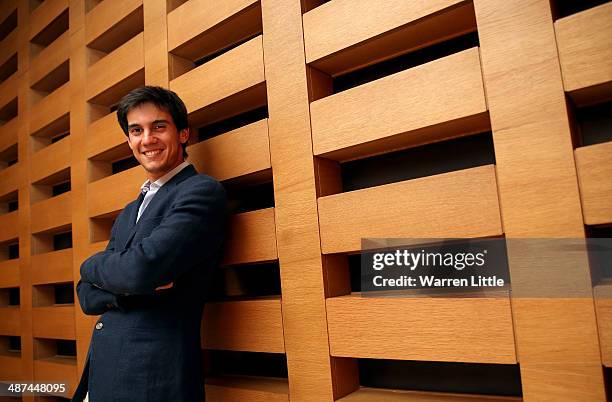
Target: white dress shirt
(149,189)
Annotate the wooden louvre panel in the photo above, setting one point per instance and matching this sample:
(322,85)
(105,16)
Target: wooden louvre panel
(239,152)
(44,14)
(50,160)
(51,213)
(50,58)
(8,46)
(584,41)
(234,71)
(374,117)
(238,388)
(251,238)
(343,35)
(9,226)
(53,322)
(52,267)
(58,369)
(98,246)
(594,167)
(10,322)
(6,8)
(249,325)
(9,179)
(603,309)
(112,193)
(10,367)
(8,134)
(430,329)
(123,62)
(391,395)
(50,108)
(100,21)
(219,22)
(8,90)
(9,273)
(104,134)
(457,204)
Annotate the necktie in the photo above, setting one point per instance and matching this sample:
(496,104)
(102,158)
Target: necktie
(146,198)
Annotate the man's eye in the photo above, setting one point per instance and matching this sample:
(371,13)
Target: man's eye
(135,131)
(159,127)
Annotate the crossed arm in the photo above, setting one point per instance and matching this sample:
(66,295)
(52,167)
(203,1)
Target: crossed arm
(191,231)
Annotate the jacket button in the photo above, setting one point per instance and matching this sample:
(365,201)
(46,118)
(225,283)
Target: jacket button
(99,325)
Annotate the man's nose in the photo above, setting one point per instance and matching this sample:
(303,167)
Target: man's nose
(148,137)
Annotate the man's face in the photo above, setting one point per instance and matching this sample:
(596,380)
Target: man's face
(154,139)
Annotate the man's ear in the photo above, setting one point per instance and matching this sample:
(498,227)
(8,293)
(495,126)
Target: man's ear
(129,142)
(184,135)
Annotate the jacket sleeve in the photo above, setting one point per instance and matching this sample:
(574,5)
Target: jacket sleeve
(191,231)
(93,300)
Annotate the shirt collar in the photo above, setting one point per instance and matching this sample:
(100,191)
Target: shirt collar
(164,179)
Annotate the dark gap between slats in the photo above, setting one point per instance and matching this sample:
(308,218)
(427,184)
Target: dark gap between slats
(471,378)
(404,62)
(427,160)
(224,363)
(232,123)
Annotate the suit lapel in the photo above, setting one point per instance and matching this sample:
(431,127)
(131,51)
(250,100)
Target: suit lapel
(158,199)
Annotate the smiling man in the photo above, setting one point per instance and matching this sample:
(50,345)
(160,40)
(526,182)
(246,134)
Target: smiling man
(149,283)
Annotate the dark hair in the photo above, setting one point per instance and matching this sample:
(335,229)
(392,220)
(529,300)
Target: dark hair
(162,98)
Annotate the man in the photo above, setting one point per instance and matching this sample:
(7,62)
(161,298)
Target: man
(149,282)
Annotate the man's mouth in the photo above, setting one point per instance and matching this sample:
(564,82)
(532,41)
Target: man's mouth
(152,153)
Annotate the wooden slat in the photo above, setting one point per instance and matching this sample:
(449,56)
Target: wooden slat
(538,190)
(390,395)
(50,160)
(52,267)
(372,117)
(210,26)
(8,90)
(112,193)
(251,325)
(237,70)
(109,21)
(104,134)
(8,46)
(603,309)
(10,321)
(242,388)
(584,41)
(97,247)
(50,58)
(44,14)
(9,273)
(6,8)
(53,322)
(9,179)
(240,152)
(456,204)
(51,213)
(122,63)
(435,329)
(251,238)
(342,35)
(9,226)
(10,368)
(57,369)
(594,168)
(50,108)
(8,134)
(304,323)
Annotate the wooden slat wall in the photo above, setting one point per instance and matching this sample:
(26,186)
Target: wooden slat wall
(522,81)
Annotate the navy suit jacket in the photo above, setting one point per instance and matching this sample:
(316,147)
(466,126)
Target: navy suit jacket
(146,344)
